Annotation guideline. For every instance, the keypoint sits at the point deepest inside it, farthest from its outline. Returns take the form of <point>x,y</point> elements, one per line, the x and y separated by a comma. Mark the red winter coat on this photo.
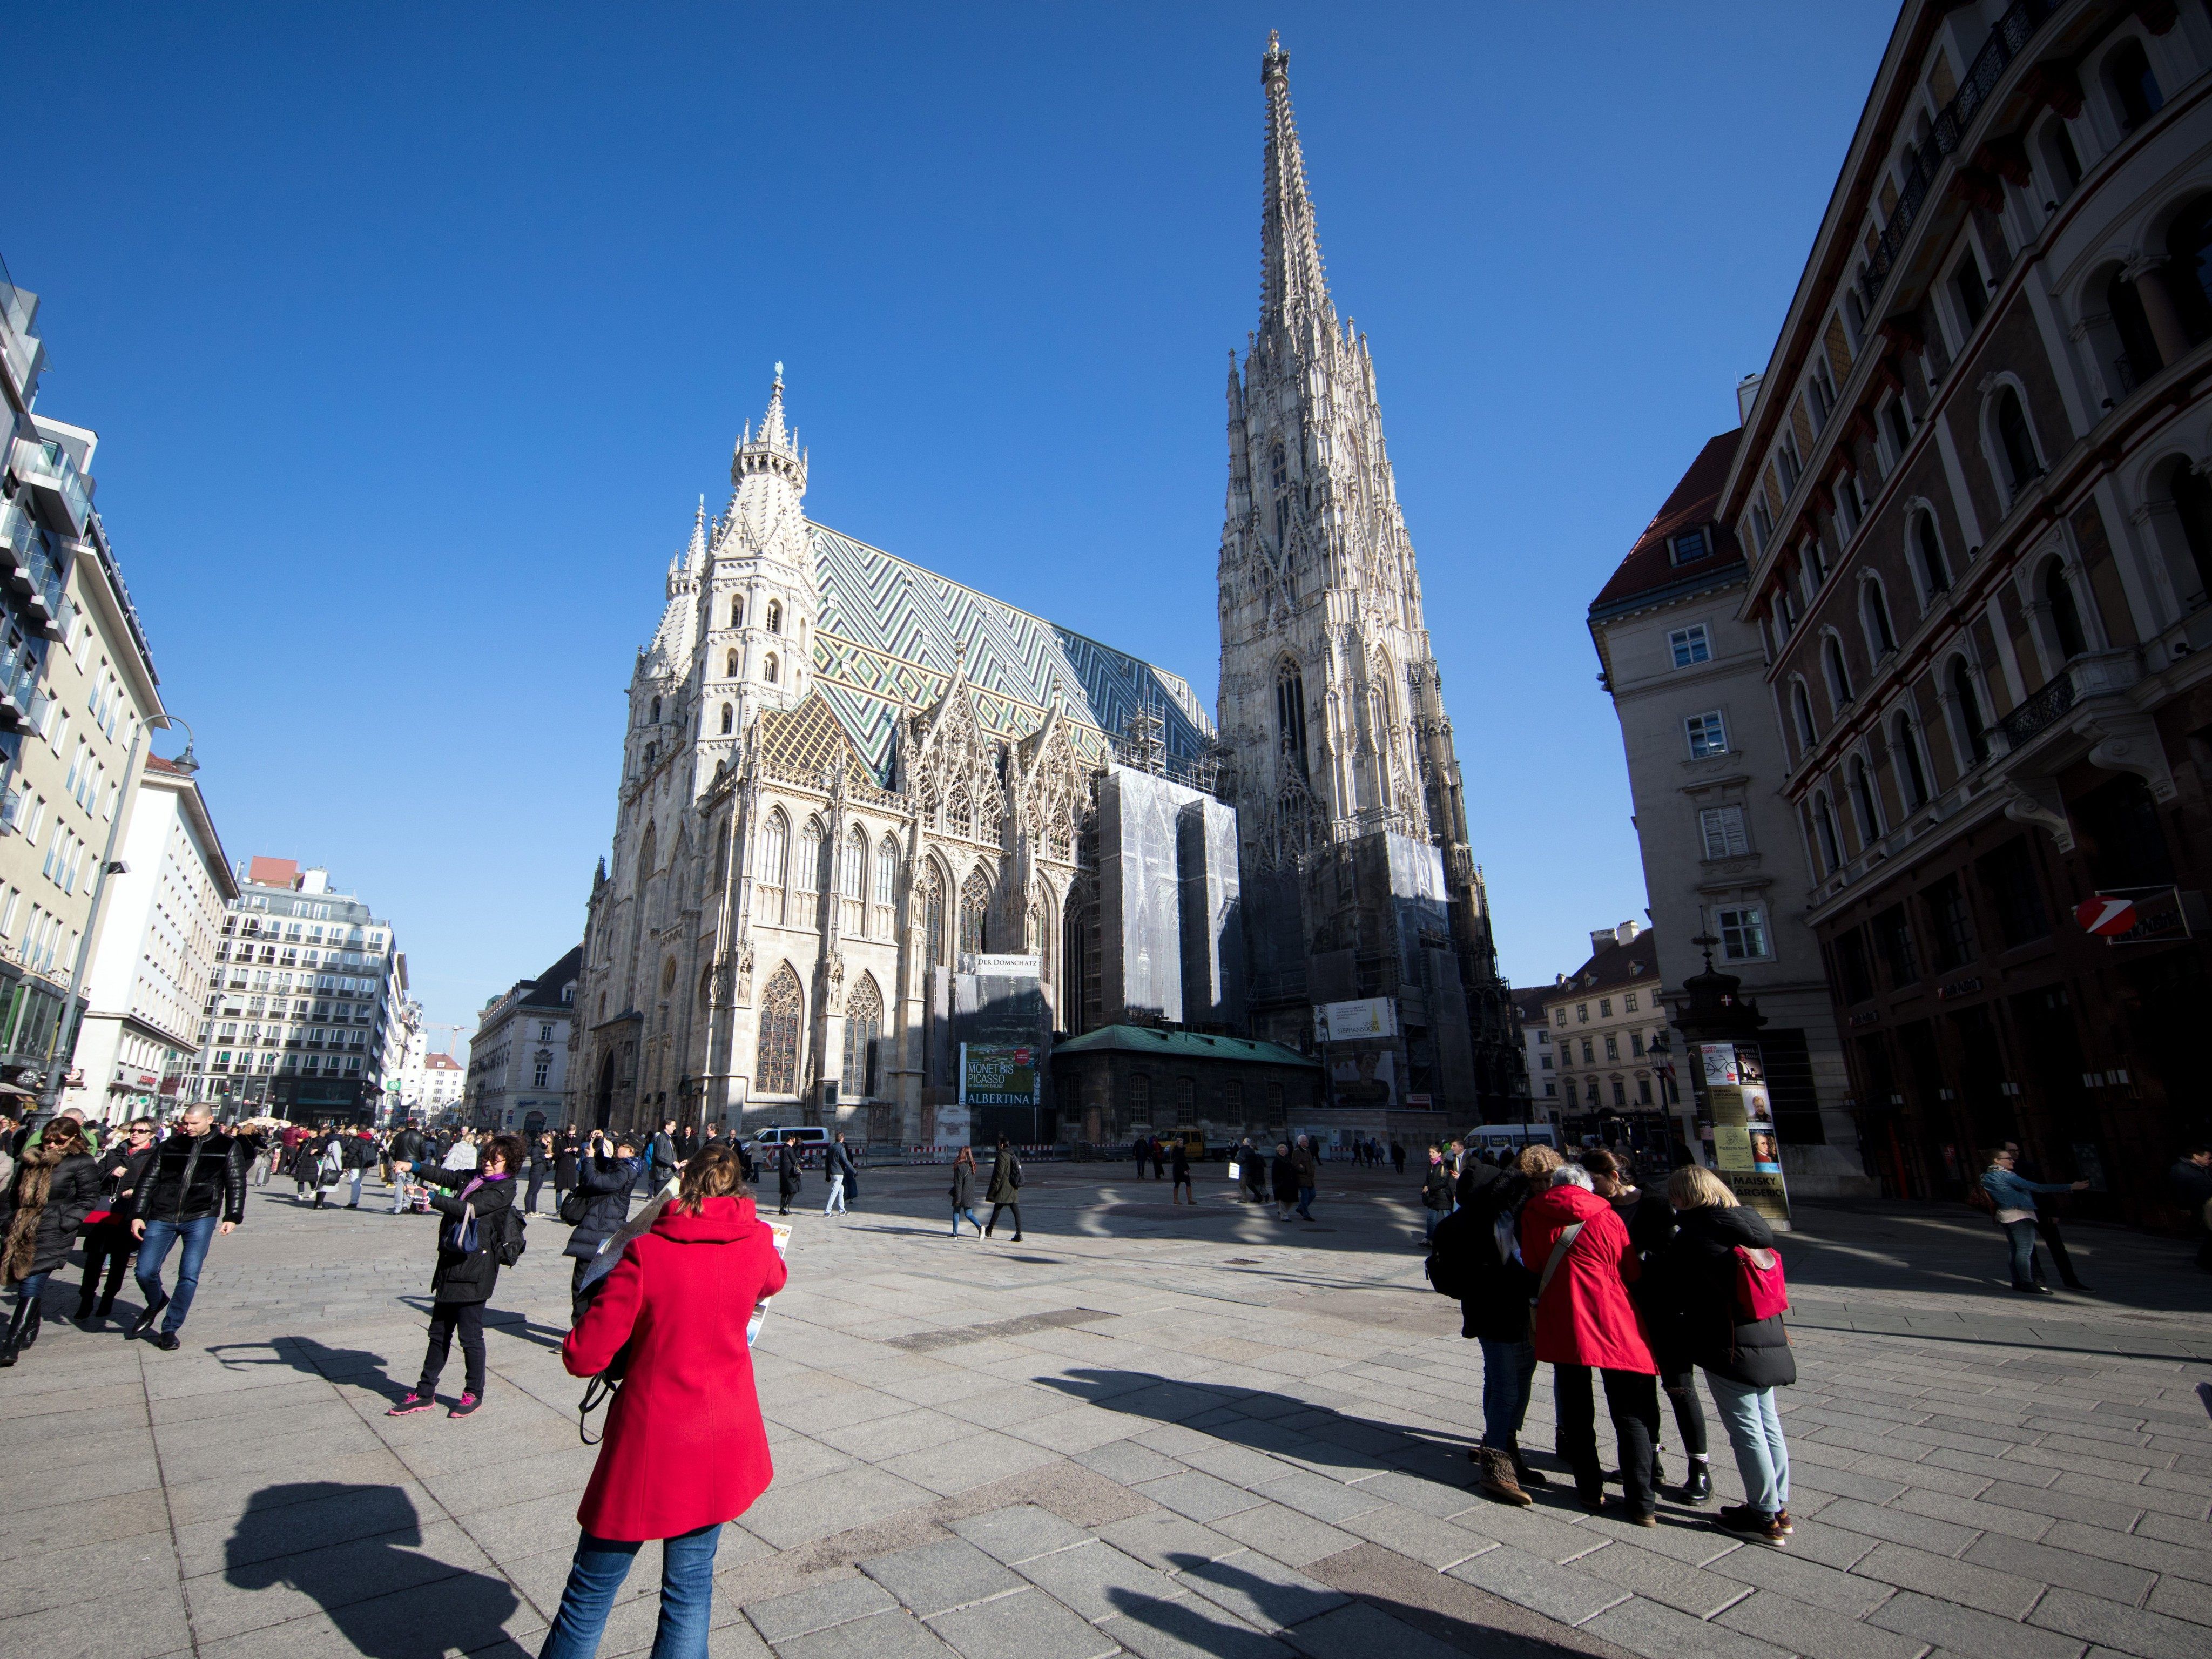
<point>685,1446</point>
<point>1584,1317</point>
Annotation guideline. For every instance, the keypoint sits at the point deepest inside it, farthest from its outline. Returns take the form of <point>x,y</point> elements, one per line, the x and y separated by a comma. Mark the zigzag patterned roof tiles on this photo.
<point>885,642</point>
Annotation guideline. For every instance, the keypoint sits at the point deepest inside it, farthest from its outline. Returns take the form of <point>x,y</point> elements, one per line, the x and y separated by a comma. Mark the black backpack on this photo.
<point>513,1241</point>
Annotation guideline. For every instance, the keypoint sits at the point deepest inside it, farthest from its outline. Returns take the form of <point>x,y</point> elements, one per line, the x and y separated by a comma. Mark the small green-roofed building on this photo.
<point>1119,1079</point>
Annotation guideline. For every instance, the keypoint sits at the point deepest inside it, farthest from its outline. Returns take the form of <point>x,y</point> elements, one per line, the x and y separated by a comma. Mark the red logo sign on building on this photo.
<point>2106,917</point>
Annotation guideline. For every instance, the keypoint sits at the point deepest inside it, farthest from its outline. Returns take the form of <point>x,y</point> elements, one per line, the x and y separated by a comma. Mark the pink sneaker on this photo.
<point>464,1405</point>
<point>411,1403</point>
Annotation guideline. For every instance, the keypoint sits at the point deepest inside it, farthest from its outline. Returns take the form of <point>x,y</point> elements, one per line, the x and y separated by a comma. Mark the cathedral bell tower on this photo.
<point>760,594</point>
<point>1358,879</point>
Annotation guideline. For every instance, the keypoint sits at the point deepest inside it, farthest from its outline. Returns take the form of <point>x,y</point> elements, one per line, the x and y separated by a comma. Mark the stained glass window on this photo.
<point>864,1024</point>
<point>778,1068</point>
<point>974,903</point>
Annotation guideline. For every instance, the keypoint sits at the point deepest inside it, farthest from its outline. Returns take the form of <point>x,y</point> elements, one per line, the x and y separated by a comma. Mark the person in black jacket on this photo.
<point>605,1176</point>
<point>787,1176</point>
<point>1004,1190</point>
<point>1436,1192</point>
<point>1477,1258</point>
<point>1649,1220</point>
<point>1744,1359</point>
<point>841,1172</point>
<point>108,1243</point>
<point>566,1156</point>
<point>192,1189</point>
<point>56,1185</point>
<point>964,1190</point>
<point>541,1171</point>
<point>477,1217</point>
<point>1179,1166</point>
<point>1283,1173</point>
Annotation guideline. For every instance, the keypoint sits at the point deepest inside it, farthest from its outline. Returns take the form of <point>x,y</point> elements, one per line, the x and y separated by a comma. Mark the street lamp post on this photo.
<point>50,1090</point>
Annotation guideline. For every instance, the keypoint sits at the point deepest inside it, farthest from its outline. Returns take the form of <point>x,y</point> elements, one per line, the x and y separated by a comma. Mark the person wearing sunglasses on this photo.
<point>107,1240</point>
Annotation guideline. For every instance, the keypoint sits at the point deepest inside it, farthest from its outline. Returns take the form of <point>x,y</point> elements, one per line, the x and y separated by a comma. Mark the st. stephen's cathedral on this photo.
<point>851,785</point>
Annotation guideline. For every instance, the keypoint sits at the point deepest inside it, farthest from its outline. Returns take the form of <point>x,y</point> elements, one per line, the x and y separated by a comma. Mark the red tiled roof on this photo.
<point>1648,565</point>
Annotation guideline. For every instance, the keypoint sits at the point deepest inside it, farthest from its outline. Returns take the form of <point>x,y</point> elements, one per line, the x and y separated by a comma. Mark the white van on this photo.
<point>805,1136</point>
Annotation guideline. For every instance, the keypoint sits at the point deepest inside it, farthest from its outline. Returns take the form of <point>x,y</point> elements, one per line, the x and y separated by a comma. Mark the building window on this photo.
<point>1934,570</point>
<point>1636,1044</point>
<point>730,665</point>
<point>1839,676</point>
<point>729,719</point>
<point>1708,734</point>
<point>1690,645</point>
<point>2016,442</point>
<point>1970,709</point>
<point>1691,545</point>
<point>736,620</point>
<point>933,912</point>
<point>1973,292</point>
<point>1954,933</point>
<point>1801,709</point>
<point>774,617</point>
<point>1911,775</point>
<point>768,668</point>
<point>778,1067</point>
<point>1743,933</point>
<point>1582,1013</point>
<point>1824,825</point>
<point>1722,829</point>
<point>1186,1101</point>
<point>1900,425</point>
<point>1863,806</point>
<point>2134,88</point>
<point>1140,1099</point>
<point>1562,1015</point>
<point>1612,1046</point>
<point>1290,713</point>
<point>1644,1090</point>
<point>1274,1102</point>
<point>541,1069</point>
<point>1628,1003</point>
<point>1605,1008</point>
<point>864,1024</point>
<point>1881,638</point>
<point>2065,616</point>
<point>975,906</point>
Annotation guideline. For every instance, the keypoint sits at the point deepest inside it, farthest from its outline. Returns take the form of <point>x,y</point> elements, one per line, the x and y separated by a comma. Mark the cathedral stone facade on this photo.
<point>856,795</point>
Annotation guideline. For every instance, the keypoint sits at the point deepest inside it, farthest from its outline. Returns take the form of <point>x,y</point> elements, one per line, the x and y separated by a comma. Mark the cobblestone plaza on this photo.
<point>1165,1430</point>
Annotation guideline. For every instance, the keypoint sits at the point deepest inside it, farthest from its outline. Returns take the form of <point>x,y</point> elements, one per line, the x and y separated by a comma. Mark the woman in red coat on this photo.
<point>1585,1320</point>
<point>685,1449</point>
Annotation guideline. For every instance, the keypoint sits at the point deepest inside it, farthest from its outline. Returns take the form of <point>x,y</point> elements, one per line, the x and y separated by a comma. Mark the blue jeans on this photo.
<point>1755,1432</point>
<point>970,1212</point>
<point>154,1250</point>
<point>1305,1202</point>
<point>2020,1235</point>
<point>29,1291</point>
<point>1508,1372</point>
<point>687,1596</point>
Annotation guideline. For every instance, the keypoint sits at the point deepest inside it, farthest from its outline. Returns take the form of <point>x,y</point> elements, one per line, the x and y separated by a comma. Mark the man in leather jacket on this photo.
<point>192,1187</point>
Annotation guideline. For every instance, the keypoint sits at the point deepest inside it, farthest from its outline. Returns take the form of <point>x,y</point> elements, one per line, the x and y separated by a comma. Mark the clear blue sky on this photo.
<point>413,332</point>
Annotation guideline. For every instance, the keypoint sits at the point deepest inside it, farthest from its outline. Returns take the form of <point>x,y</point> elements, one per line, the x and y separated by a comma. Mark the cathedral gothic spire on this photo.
<point>1332,715</point>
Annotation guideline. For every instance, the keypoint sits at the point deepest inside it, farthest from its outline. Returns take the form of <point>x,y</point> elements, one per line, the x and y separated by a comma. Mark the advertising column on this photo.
<point>1746,1153</point>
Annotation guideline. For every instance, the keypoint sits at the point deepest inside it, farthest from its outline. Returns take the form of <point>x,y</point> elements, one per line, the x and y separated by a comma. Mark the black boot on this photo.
<point>84,1304</point>
<point>1527,1476</point>
<point>31,1327</point>
<point>1698,1488</point>
<point>11,1341</point>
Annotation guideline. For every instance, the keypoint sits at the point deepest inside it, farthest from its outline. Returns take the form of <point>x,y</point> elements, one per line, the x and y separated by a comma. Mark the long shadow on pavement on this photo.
<point>1460,1619</point>
<point>386,1601</point>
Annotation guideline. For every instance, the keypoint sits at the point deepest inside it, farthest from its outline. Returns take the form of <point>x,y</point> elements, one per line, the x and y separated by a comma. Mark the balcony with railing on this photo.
<point>59,493</point>
<point>2008,37</point>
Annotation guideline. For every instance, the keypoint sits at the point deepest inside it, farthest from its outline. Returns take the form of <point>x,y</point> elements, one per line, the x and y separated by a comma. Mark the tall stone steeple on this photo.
<point>762,596</point>
<point>1330,708</point>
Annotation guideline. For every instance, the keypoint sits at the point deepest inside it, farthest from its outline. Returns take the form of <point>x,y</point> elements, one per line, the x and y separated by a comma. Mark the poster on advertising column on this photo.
<point>1746,1150</point>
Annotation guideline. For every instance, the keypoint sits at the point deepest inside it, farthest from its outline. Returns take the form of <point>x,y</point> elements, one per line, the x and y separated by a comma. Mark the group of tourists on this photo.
<point>134,1194</point>
<point>1633,1289</point>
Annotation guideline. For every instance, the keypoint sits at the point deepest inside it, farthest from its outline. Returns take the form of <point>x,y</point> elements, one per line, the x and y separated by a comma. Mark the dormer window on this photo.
<point>1693,544</point>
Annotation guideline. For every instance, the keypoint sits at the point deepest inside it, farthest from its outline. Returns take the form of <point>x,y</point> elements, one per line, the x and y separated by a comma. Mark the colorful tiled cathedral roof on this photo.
<point>887,636</point>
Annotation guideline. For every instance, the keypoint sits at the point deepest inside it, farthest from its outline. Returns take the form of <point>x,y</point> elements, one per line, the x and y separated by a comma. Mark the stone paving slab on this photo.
<point>1162,1432</point>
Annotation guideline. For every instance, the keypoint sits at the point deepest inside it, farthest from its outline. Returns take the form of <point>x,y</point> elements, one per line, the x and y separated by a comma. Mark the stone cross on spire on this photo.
<point>1293,292</point>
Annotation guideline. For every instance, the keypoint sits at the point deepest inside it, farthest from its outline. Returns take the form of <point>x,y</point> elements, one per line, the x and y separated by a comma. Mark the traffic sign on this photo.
<point>2106,917</point>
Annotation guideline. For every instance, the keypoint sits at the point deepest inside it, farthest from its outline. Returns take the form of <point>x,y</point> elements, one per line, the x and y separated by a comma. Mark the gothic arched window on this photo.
<point>774,857</point>
<point>2016,440</point>
<point>1291,713</point>
<point>729,719</point>
<point>777,1070</point>
<point>730,665</point>
<point>975,905</point>
<point>1863,806</point>
<point>737,617</point>
<point>852,876</point>
<point>864,1024</point>
<point>933,918</point>
<point>775,616</point>
<point>653,718</point>
<point>767,671</point>
<point>721,853</point>
<point>959,816</point>
<point>1935,569</point>
<point>1881,638</point>
<point>887,870</point>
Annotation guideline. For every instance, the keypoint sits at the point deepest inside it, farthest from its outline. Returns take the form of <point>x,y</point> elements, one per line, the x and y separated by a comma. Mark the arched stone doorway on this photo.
<point>603,1110</point>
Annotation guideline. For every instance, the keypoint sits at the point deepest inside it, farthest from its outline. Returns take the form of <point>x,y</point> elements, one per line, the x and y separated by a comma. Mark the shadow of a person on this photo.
<point>386,1600</point>
<point>311,1359</point>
